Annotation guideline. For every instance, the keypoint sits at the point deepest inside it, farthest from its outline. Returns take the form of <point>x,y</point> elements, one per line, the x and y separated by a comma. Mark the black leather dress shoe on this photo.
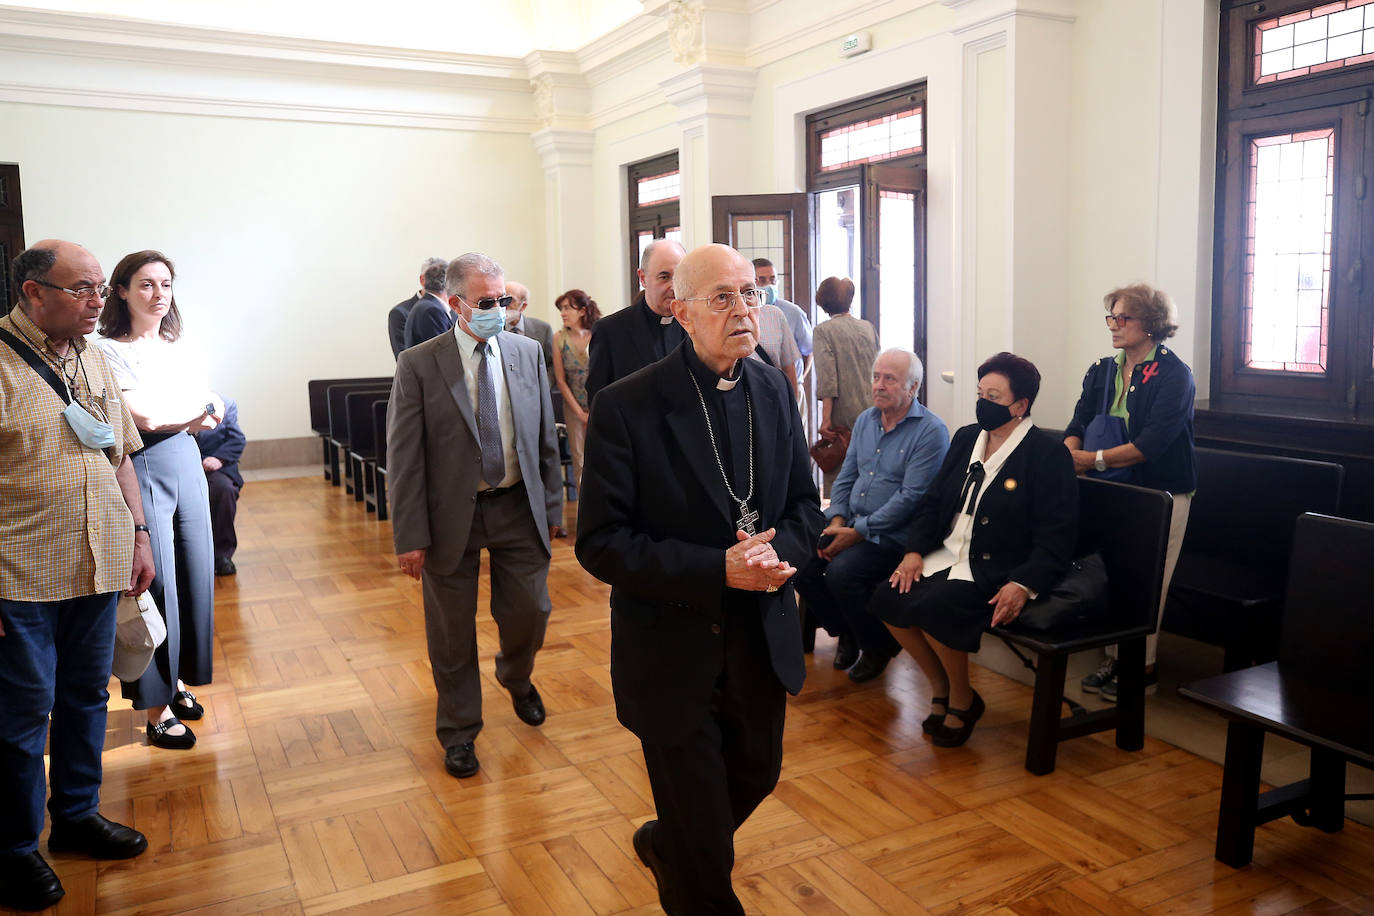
<point>530,708</point>
<point>868,667</point>
<point>225,567</point>
<point>27,883</point>
<point>97,837</point>
<point>846,653</point>
<point>461,761</point>
<point>644,848</point>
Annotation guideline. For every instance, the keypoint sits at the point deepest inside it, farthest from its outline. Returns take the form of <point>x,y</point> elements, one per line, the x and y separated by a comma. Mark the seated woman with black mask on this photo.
<point>997,527</point>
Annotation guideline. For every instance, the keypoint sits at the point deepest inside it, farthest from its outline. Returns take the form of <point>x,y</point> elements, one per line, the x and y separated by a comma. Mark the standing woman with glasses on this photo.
<point>1134,423</point>
<point>163,382</point>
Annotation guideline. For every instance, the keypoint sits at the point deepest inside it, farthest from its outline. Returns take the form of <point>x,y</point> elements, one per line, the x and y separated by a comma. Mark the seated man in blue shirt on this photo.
<point>894,453</point>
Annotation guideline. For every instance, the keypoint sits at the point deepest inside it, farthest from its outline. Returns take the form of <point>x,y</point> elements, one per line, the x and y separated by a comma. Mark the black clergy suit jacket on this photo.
<point>655,524</point>
<point>396,324</point>
<point>428,319</point>
<point>621,343</point>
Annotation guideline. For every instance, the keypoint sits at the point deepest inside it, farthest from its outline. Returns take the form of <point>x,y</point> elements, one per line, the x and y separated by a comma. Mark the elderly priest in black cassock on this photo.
<point>697,508</point>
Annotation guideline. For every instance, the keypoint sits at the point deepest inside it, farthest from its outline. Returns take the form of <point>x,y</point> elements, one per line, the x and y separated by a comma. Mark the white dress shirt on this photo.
<point>467,350</point>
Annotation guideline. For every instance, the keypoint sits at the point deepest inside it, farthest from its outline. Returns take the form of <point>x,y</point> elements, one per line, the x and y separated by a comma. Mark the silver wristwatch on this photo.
<point>1098,463</point>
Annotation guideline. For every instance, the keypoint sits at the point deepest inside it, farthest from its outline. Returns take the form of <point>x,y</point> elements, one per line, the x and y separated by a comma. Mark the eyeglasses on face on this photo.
<point>725,300</point>
<point>82,293</point>
<point>1120,321</point>
<point>484,304</point>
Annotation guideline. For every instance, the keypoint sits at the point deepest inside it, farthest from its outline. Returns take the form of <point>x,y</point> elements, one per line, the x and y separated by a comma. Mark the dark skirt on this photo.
<point>953,612</point>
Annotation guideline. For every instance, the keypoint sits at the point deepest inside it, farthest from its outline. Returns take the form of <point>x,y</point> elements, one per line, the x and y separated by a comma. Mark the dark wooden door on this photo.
<point>772,226</point>
<point>11,231</point>
<point>893,211</point>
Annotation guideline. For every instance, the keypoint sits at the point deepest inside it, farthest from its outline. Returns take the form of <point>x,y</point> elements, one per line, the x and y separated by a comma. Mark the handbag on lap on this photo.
<point>1105,431</point>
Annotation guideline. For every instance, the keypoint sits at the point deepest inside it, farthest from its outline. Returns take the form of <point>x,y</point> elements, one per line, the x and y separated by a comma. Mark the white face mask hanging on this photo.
<point>93,433</point>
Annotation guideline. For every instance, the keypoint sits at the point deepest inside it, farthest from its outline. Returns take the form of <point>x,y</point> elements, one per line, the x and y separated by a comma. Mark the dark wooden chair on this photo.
<point>1130,526</point>
<point>337,397</point>
<point>362,444</point>
<point>1318,692</point>
<point>1228,587</point>
<point>318,390</point>
<point>374,471</point>
<point>564,450</point>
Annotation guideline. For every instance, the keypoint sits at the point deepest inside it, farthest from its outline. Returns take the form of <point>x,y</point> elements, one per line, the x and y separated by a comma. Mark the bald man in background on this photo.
<point>517,322</point>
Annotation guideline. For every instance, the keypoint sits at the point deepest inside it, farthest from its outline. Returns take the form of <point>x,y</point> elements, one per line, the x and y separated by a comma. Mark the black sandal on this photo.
<point>158,737</point>
<point>935,719</point>
<point>944,736</point>
<point>184,705</point>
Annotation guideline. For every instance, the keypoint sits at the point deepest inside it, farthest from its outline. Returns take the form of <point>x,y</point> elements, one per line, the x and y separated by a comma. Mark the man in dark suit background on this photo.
<point>396,318</point>
<point>472,463</point>
<point>430,316</point>
<point>634,337</point>
<point>698,524</point>
<point>517,322</point>
<point>220,451</point>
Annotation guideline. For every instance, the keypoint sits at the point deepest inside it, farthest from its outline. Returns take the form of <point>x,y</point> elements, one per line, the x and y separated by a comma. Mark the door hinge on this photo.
<point>1360,183</point>
<point>1362,109</point>
<point>1225,157</point>
<point>1351,396</point>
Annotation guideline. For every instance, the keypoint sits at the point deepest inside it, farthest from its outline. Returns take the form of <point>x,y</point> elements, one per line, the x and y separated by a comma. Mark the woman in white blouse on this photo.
<point>163,382</point>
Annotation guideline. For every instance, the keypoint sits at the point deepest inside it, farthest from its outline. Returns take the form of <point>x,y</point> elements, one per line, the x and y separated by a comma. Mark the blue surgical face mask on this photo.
<point>770,293</point>
<point>487,323</point>
<point>92,433</point>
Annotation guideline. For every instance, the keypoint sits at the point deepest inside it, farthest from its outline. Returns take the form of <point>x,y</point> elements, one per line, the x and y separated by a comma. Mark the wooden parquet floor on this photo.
<point>317,785</point>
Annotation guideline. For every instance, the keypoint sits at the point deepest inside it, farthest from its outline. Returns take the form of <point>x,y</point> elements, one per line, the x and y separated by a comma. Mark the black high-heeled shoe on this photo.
<point>945,736</point>
<point>935,719</point>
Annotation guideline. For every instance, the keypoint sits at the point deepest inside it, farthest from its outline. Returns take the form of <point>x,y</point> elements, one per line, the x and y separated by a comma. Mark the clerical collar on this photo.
<point>664,320</point>
<point>706,375</point>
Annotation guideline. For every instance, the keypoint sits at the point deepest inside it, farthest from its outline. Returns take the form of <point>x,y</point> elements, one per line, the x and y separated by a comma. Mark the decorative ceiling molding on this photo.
<point>235,108</point>
<point>150,41</point>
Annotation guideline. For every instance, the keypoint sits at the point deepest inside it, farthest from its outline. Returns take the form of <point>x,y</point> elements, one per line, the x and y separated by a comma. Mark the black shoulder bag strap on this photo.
<point>36,362</point>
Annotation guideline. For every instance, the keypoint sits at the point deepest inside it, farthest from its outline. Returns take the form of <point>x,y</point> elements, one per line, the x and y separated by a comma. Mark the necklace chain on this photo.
<point>715,450</point>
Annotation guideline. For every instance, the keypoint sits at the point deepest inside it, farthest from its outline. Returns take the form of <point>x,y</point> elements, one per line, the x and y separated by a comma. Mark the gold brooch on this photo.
<point>1009,483</point>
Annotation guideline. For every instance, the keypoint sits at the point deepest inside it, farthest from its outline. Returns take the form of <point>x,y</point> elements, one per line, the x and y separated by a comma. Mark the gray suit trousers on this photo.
<point>519,604</point>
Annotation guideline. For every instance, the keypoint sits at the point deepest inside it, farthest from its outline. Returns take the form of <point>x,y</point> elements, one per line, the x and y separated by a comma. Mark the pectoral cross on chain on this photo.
<point>747,518</point>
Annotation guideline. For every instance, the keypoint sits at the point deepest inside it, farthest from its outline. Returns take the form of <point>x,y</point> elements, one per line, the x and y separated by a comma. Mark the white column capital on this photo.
<point>563,148</point>
<point>711,91</point>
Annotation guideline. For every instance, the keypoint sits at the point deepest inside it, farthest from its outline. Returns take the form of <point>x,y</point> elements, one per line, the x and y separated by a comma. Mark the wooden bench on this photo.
<point>374,472</point>
<point>339,437</point>
<point>362,441</point>
<point>1316,694</point>
<point>1130,527</point>
<point>318,390</point>
<point>1228,587</point>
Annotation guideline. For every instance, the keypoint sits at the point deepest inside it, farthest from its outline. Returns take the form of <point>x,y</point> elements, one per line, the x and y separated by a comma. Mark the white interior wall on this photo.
<point>291,239</point>
<point>1130,109</point>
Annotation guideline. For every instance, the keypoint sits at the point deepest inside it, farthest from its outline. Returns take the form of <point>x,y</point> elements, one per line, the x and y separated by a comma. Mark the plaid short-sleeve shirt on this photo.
<point>65,530</point>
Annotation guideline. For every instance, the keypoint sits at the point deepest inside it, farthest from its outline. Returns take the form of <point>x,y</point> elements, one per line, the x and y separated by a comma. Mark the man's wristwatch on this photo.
<point>1098,463</point>
<point>143,528</point>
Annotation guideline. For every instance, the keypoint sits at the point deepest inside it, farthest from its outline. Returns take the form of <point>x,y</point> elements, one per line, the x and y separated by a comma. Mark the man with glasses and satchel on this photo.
<point>72,538</point>
<point>697,508</point>
<point>472,463</point>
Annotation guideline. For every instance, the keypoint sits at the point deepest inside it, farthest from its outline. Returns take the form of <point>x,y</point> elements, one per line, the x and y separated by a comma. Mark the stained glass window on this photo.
<point>1291,184</point>
<point>1325,37</point>
<point>896,134</point>
<point>658,189</point>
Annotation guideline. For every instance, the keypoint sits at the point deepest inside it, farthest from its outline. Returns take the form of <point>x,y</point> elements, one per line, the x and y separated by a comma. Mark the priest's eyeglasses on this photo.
<point>725,300</point>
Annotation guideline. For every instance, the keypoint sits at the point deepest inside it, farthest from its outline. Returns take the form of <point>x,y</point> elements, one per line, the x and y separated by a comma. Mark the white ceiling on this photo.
<point>495,27</point>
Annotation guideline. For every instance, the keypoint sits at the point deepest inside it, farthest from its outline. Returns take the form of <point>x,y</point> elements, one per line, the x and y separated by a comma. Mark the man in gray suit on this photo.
<point>472,463</point>
<point>517,322</point>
